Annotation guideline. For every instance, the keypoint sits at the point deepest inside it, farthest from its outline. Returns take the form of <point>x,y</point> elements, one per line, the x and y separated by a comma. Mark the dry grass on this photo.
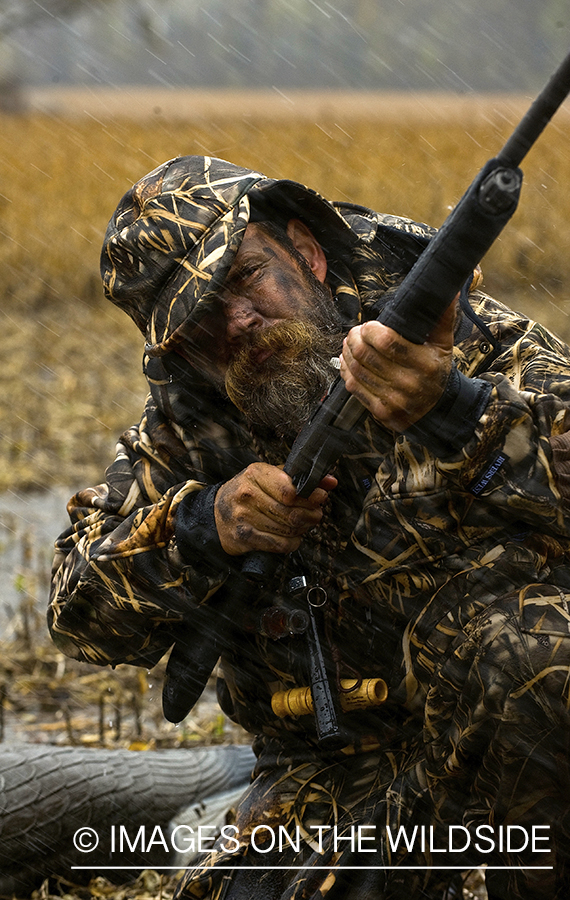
<point>148,886</point>
<point>71,364</point>
<point>47,698</point>
<point>70,383</point>
<point>153,886</point>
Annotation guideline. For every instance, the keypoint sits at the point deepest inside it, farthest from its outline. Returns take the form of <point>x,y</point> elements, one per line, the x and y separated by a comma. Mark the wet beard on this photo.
<point>281,392</point>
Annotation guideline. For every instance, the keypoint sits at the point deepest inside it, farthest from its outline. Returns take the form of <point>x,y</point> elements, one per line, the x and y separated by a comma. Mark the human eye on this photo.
<point>248,273</point>
<point>248,270</point>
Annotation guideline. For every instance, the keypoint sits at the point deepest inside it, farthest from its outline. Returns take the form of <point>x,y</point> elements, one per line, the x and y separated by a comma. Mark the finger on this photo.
<point>365,371</point>
<point>370,366</point>
<point>249,513</point>
<point>382,360</point>
<point>373,343</point>
<point>372,399</point>
<point>285,494</point>
<point>242,529</point>
<point>247,539</point>
<point>443,333</point>
<point>398,395</point>
<point>279,502</point>
<point>328,483</point>
<point>263,530</point>
<point>287,520</point>
<point>319,495</point>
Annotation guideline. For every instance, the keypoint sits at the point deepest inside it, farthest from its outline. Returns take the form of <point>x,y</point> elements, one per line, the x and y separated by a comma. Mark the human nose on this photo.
<point>241,317</point>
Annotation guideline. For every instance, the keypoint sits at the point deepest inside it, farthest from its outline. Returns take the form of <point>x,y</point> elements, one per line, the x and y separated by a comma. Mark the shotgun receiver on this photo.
<point>414,310</point>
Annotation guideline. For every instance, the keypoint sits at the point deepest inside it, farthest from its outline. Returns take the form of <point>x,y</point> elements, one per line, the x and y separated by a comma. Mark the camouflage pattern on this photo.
<point>174,235</point>
<point>447,577</point>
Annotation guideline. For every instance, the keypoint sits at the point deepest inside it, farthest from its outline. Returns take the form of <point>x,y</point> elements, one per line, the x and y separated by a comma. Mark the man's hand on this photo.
<point>259,510</point>
<point>397,381</point>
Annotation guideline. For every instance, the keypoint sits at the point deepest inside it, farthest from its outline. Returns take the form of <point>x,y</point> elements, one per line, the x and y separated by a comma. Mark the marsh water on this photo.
<point>29,524</point>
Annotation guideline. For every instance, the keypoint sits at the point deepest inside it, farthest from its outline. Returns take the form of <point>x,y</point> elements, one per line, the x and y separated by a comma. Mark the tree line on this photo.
<point>461,45</point>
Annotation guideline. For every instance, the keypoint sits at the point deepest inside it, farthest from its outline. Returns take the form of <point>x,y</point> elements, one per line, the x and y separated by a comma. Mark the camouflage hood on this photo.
<point>174,235</point>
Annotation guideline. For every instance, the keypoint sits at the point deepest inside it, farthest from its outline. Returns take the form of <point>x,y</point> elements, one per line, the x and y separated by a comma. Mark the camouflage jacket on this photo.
<point>413,545</point>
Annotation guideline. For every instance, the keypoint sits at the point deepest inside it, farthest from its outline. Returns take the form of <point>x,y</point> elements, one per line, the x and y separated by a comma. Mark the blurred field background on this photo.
<point>70,370</point>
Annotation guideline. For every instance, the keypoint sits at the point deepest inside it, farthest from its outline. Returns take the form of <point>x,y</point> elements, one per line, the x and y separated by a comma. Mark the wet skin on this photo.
<point>396,381</point>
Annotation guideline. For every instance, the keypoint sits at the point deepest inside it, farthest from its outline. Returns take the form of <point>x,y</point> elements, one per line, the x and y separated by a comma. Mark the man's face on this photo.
<point>279,328</point>
<point>270,283</point>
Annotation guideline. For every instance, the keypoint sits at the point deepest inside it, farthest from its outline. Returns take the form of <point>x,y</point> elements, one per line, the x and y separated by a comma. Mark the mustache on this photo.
<point>290,339</point>
<point>285,343</point>
<point>280,389</point>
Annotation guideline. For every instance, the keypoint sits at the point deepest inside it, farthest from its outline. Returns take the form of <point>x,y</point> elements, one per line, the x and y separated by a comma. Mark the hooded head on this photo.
<point>173,237</point>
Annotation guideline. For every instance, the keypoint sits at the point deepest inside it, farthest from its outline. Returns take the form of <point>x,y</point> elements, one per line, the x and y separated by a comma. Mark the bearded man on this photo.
<point>438,547</point>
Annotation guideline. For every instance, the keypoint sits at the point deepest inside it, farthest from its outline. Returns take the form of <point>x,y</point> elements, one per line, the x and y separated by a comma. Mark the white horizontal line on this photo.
<point>312,868</point>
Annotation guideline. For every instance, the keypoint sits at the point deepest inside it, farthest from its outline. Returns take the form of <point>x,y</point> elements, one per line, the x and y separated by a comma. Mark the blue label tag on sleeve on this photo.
<point>481,482</point>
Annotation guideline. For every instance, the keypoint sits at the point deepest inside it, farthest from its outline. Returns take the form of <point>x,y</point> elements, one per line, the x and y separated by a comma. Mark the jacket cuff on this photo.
<point>196,533</point>
<point>447,427</point>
